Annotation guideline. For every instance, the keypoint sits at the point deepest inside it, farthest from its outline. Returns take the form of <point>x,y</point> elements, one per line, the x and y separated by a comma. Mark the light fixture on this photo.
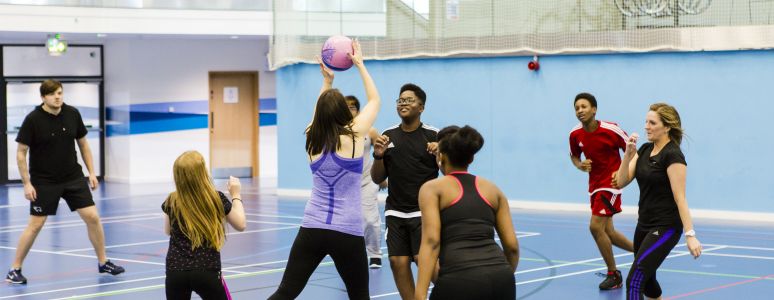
<point>56,46</point>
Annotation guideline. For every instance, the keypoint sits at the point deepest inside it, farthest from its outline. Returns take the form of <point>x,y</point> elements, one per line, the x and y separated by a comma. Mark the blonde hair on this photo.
<point>196,206</point>
<point>669,116</point>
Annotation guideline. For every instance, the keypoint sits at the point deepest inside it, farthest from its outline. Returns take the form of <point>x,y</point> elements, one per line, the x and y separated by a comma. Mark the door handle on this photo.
<point>212,120</point>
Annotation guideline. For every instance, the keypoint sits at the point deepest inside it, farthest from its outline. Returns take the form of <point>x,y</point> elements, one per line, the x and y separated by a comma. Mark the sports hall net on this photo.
<point>391,29</point>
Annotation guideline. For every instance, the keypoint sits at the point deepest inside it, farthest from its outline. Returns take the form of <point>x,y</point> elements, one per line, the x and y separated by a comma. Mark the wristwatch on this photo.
<point>690,233</point>
<point>377,157</point>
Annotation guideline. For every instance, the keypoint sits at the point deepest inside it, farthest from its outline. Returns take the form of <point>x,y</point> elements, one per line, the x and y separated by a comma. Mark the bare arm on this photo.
<point>327,84</point>
<point>373,134</point>
<point>236,217</point>
<point>677,173</point>
<point>378,172</point>
<point>584,166</point>
<point>505,230</point>
<point>625,173</point>
<point>166,224</point>
<point>21,161</point>
<point>429,204</point>
<point>367,116</point>
<point>83,144</point>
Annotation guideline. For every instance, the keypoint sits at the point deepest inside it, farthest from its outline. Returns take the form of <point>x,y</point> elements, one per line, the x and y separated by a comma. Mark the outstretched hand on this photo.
<point>631,146</point>
<point>380,145</point>
<point>357,56</point>
<point>326,72</point>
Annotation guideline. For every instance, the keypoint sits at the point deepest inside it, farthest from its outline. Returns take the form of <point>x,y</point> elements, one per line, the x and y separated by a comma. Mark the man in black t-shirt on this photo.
<point>49,134</point>
<point>405,154</point>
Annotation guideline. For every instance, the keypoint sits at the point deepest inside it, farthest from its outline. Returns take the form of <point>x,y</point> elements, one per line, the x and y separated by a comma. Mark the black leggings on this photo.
<point>207,284</point>
<point>651,247</point>
<point>491,283</point>
<point>309,249</point>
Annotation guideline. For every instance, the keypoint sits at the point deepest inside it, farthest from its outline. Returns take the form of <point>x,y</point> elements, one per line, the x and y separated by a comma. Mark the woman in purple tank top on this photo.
<point>332,222</point>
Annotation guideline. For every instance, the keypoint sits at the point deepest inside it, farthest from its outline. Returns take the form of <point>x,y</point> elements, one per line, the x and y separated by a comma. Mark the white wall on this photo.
<point>139,71</point>
<point>35,18</point>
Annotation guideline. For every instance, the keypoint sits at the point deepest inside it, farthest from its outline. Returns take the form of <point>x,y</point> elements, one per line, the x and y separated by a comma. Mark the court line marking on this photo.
<point>167,240</point>
<point>68,252</point>
<point>26,204</point>
<point>567,274</point>
<point>152,287</point>
<point>743,247</point>
<point>605,268</point>
<point>87,256</point>
<point>251,274</point>
<point>80,221</point>
<point>273,216</point>
<point>143,288</point>
<point>736,255</point>
<point>702,291</point>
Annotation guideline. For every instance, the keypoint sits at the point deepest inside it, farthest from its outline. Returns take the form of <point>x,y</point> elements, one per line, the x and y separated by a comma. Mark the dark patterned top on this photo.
<point>180,257</point>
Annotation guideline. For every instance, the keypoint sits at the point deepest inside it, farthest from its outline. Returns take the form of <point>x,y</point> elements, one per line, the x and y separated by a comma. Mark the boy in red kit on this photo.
<point>599,141</point>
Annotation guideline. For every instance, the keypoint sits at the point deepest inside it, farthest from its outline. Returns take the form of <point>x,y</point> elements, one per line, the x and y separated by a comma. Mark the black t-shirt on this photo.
<point>657,203</point>
<point>180,257</point>
<point>408,166</point>
<point>51,139</point>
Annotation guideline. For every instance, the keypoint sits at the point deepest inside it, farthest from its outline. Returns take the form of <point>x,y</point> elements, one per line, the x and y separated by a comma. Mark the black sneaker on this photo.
<point>612,281</point>
<point>15,276</point>
<point>375,263</point>
<point>111,268</point>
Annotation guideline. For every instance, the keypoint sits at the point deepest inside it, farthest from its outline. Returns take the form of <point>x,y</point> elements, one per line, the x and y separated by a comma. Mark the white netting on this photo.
<point>391,29</point>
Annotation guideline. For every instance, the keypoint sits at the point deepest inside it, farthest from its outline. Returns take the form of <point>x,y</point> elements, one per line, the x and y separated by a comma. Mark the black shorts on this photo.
<point>403,236</point>
<point>490,282</point>
<point>76,193</point>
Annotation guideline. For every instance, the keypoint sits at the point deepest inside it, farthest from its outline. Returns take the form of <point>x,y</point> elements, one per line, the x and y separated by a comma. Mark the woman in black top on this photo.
<point>195,217</point>
<point>659,167</point>
<point>460,213</point>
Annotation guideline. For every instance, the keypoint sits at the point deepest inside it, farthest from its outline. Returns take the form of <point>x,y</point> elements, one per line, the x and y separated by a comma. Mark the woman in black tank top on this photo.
<point>460,213</point>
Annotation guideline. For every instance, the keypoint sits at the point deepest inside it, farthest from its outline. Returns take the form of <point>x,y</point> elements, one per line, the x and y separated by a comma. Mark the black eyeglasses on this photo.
<point>401,101</point>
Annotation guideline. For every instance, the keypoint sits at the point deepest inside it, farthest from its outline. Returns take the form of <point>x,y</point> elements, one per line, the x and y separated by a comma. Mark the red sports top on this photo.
<point>601,146</point>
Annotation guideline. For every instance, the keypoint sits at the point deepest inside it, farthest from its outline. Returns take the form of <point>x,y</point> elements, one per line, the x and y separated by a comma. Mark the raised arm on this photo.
<point>327,84</point>
<point>625,172</point>
<point>504,227</point>
<point>676,173</point>
<point>430,247</point>
<point>367,116</point>
<point>236,217</point>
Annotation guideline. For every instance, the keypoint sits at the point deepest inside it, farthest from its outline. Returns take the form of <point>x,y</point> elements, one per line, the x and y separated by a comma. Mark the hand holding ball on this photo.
<point>336,53</point>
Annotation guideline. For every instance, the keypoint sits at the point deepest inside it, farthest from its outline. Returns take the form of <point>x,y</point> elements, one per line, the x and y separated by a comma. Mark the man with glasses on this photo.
<point>406,154</point>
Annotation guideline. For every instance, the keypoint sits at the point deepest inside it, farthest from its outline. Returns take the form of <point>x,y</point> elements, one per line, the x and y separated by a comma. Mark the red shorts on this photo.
<point>605,203</point>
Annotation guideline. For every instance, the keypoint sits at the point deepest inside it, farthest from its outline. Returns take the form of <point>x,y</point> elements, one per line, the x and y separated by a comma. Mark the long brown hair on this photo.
<point>671,119</point>
<point>196,206</point>
<point>331,120</point>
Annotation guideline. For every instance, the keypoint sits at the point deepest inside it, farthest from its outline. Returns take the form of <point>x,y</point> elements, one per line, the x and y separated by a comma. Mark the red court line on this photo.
<point>720,287</point>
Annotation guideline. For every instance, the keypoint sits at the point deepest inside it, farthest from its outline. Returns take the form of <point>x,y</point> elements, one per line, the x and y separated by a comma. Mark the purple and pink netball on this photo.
<point>334,53</point>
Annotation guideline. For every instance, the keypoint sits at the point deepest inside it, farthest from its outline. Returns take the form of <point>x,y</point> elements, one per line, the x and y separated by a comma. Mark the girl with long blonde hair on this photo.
<point>195,217</point>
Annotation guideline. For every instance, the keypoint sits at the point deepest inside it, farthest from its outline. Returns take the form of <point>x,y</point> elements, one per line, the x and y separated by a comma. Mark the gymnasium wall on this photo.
<point>724,98</point>
<point>156,94</point>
